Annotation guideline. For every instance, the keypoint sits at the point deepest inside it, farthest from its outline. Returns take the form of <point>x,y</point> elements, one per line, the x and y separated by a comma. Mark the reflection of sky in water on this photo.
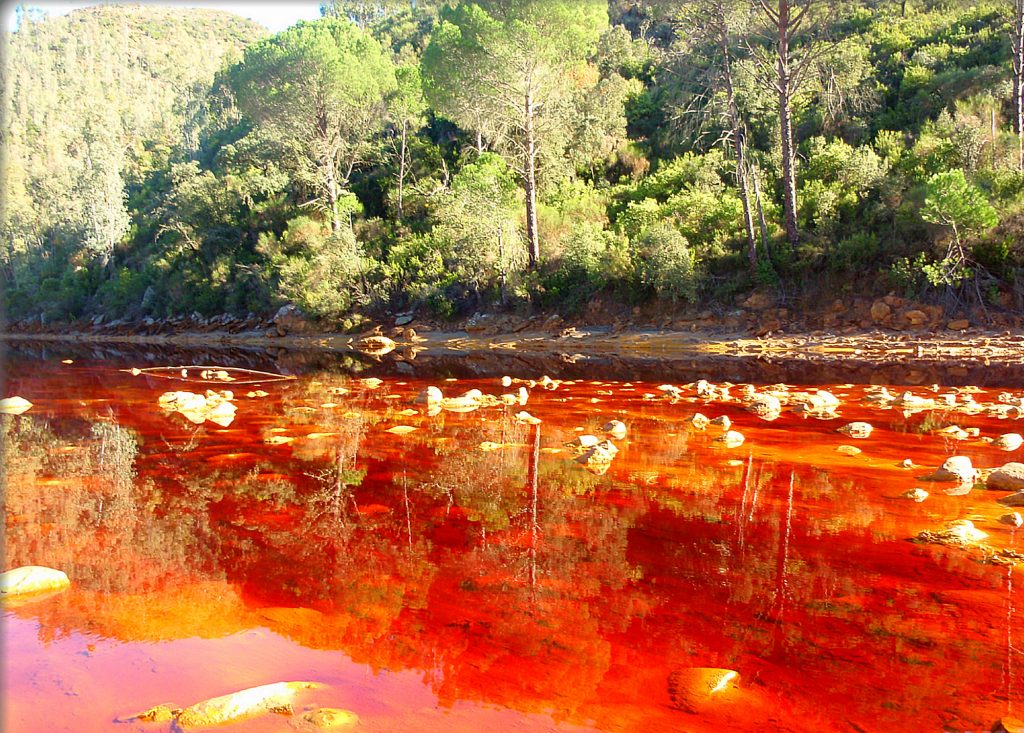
<point>434,585</point>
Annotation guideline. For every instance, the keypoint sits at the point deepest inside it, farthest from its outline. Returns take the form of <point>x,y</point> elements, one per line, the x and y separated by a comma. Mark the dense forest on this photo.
<point>531,155</point>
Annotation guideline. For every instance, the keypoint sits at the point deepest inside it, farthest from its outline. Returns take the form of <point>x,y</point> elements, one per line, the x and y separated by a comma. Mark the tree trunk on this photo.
<point>401,168</point>
<point>739,142</point>
<point>502,277</point>
<point>786,128</point>
<point>760,211</point>
<point>530,181</point>
<point>332,199</point>
<point>1017,44</point>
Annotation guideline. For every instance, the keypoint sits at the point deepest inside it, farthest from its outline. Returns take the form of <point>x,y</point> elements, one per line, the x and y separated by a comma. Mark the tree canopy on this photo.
<point>538,154</point>
<point>316,93</point>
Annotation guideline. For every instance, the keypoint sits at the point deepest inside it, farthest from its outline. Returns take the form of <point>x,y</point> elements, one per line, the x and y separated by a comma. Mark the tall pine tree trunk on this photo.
<point>786,128</point>
<point>530,180</point>
<point>1017,43</point>
<point>739,143</point>
<point>755,176</point>
<point>401,168</point>
<point>332,198</point>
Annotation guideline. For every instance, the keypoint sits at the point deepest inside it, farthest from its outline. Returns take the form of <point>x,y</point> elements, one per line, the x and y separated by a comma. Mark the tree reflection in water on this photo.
<point>510,577</point>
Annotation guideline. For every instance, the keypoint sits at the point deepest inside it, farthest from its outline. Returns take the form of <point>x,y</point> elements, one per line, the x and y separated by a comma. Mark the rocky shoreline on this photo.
<point>487,344</point>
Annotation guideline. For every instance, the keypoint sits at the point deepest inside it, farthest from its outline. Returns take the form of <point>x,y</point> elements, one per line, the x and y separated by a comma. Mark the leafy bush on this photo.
<point>325,282</point>
<point>593,258</point>
<point>666,264</point>
<point>854,252</point>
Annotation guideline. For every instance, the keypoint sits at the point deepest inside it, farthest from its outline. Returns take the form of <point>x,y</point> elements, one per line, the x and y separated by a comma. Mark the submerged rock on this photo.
<point>917,495</point>
<point>960,532</point>
<point>331,718</point>
<point>401,429</point>
<point>32,579</point>
<point>276,697</point>
<point>849,450</point>
<point>695,688</point>
<point>1012,499</point>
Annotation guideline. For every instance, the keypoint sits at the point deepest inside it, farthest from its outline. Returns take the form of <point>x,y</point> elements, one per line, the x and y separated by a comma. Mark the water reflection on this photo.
<point>510,577</point>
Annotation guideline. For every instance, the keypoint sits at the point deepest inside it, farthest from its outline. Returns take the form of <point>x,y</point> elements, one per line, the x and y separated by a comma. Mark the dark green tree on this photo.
<point>317,93</point>
<point>501,69</point>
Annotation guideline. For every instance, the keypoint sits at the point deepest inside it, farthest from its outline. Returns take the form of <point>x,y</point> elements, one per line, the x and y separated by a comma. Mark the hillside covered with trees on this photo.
<point>529,155</point>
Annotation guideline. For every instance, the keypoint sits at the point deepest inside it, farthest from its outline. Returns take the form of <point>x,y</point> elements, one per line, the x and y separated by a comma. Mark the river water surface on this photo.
<point>469,575</point>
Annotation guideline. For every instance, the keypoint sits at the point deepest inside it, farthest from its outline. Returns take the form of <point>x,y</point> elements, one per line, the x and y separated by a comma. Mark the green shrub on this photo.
<point>326,282</point>
<point>666,264</point>
<point>854,252</point>
<point>592,258</point>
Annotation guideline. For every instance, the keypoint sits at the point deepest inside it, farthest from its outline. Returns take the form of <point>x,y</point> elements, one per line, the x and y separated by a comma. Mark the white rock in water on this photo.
<point>1008,477</point>
<point>582,443</point>
<point>731,439</point>
<point>956,468</point>
<point>14,405</point>
<point>1014,519</point>
<point>699,421</point>
<point>765,406</point>
<point>830,401</point>
<point>856,429</point>
<point>376,345</point>
<point>1010,441</point>
<point>32,579</point>
<point>598,458</point>
<point>965,531</point>
<point>430,396</point>
<point>241,704</point>
<point>917,495</point>
<point>615,429</point>
<point>722,421</point>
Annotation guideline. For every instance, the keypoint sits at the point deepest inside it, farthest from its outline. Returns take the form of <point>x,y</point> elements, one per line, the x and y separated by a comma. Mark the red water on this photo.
<point>431,585</point>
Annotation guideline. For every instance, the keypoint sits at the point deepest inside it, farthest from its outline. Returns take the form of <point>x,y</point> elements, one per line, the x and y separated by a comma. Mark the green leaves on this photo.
<point>950,200</point>
<point>318,91</point>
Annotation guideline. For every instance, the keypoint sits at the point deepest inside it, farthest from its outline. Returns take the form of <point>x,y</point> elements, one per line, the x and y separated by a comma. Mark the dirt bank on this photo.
<point>972,356</point>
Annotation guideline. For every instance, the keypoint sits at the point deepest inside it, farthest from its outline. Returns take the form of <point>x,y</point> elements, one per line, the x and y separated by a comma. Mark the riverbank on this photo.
<point>970,356</point>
